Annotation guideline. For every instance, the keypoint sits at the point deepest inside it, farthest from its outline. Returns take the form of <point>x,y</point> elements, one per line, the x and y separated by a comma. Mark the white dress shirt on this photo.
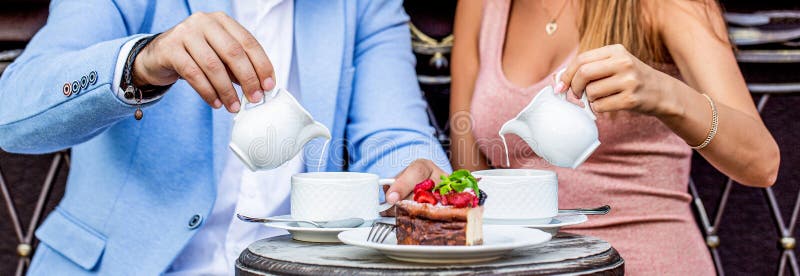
<point>217,244</point>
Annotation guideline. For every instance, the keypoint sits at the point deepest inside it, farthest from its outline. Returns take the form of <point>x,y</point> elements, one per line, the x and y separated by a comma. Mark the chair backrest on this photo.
<point>30,185</point>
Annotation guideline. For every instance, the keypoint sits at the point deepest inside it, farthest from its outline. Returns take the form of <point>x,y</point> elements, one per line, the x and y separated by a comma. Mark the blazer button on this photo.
<point>67,89</point>
<point>76,87</point>
<point>93,77</point>
<point>84,82</point>
<point>195,221</point>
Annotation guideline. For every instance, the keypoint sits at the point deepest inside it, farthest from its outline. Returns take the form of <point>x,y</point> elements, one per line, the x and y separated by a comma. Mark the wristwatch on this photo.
<point>132,91</point>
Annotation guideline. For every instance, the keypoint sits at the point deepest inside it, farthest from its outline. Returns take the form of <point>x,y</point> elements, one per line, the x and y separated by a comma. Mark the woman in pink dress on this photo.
<point>652,70</point>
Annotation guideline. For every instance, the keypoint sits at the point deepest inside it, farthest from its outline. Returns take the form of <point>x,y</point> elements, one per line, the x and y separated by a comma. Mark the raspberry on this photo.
<point>426,185</point>
<point>438,197</point>
<point>424,197</point>
<point>460,200</point>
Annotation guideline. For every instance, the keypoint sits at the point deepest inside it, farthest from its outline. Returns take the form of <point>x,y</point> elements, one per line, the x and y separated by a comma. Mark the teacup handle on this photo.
<point>584,99</point>
<point>243,101</point>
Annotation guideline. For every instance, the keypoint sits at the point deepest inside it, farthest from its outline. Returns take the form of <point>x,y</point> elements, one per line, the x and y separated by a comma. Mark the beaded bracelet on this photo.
<point>714,124</point>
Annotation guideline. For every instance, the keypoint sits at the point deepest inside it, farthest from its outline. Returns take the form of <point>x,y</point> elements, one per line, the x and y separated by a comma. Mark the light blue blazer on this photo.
<point>139,190</point>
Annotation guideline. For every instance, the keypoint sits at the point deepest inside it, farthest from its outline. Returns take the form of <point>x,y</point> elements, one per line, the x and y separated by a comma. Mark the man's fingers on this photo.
<point>235,58</point>
<point>191,72</point>
<point>215,71</point>
<point>405,181</point>
<point>258,58</point>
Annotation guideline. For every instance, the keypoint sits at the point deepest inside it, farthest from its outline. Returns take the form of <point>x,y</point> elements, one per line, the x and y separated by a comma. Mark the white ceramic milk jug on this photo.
<point>558,131</point>
<point>267,135</point>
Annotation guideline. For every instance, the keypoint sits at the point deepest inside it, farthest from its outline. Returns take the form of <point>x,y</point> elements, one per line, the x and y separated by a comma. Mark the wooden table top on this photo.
<point>565,253</point>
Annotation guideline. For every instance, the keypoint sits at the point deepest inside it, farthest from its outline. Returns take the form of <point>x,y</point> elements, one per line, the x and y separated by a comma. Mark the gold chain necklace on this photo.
<point>551,27</point>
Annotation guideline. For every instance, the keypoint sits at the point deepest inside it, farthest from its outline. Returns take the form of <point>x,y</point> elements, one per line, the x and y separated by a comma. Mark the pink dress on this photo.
<point>641,168</point>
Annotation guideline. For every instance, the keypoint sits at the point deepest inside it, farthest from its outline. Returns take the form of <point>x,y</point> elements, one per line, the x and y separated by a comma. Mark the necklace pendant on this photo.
<point>551,27</point>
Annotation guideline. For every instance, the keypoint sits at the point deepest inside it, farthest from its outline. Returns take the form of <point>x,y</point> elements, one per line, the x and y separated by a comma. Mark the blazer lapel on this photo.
<point>318,47</point>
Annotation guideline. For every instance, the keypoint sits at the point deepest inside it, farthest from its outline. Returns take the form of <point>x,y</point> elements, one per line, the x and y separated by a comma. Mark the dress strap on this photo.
<point>493,30</point>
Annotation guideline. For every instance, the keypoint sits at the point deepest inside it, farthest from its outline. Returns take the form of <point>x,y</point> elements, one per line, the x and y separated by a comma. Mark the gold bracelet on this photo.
<point>714,124</point>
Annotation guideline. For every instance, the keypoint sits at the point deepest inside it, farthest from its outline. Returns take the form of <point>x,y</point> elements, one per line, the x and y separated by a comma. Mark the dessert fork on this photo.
<point>380,231</point>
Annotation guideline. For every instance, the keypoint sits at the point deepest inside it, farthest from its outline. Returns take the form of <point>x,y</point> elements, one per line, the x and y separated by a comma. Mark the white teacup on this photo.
<point>519,195</point>
<point>560,132</point>
<point>324,196</point>
<point>267,135</point>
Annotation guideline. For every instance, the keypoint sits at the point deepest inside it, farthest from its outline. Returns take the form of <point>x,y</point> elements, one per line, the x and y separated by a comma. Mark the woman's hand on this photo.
<point>613,79</point>
<point>211,51</point>
<point>405,181</point>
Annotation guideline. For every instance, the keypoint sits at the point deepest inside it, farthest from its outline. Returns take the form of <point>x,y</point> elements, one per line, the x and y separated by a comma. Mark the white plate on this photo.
<point>551,227</point>
<point>497,241</point>
<point>311,234</point>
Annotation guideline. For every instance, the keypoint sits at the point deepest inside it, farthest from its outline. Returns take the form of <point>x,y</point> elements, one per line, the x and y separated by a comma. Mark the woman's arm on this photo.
<point>464,69</point>
<point>614,80</point>
<point>743,147</point>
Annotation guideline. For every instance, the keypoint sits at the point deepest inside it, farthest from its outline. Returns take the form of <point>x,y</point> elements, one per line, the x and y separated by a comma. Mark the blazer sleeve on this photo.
<point>58,92</point>
<point>387,126</point>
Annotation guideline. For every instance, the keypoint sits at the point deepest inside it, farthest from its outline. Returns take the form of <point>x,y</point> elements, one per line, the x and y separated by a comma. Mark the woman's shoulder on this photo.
<point>469,15</point>
<point>671,16</point>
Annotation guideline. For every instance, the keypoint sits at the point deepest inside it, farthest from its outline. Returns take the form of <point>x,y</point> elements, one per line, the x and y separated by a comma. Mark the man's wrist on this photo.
<point>135,87</point>
<point>140,70</point>
<point>117,84</point>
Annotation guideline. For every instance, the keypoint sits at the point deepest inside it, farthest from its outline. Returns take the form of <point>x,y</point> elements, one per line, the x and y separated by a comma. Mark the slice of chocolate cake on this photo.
<point>428,224</point>
<point>448,213</point>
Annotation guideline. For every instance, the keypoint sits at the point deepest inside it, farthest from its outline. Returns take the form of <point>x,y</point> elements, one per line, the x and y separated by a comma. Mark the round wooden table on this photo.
<point>564,254</point>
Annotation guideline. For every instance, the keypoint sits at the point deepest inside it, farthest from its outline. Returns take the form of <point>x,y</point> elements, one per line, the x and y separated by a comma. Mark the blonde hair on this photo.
<point>626,22</point>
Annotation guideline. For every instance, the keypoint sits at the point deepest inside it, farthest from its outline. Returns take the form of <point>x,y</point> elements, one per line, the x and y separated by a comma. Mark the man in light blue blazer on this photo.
<point>139,190</point>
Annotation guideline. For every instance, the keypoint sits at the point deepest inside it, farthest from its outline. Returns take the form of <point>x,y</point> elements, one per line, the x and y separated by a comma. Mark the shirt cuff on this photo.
<point>121,58</point>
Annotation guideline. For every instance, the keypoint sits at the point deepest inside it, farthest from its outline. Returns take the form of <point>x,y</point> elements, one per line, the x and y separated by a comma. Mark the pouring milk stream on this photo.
<point>273,131</point>
<point>560,132</point>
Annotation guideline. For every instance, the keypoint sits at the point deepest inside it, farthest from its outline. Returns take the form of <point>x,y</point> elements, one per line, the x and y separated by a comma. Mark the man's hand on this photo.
<point>416,172</point>
<point>211,51</point>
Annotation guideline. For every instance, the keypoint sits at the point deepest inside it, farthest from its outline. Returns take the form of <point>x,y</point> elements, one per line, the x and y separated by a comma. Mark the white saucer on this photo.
<point>498,240</point>
<point>311,234</point>
<point>551,227</point>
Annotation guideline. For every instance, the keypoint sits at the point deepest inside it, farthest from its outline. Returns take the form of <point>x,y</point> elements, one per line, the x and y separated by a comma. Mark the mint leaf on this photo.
<point>457,181</point>
<point>445,189</point>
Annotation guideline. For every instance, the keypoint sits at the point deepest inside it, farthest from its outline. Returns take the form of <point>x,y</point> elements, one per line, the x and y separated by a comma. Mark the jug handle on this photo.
<point>243,101</point>
<point>584,99</point>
